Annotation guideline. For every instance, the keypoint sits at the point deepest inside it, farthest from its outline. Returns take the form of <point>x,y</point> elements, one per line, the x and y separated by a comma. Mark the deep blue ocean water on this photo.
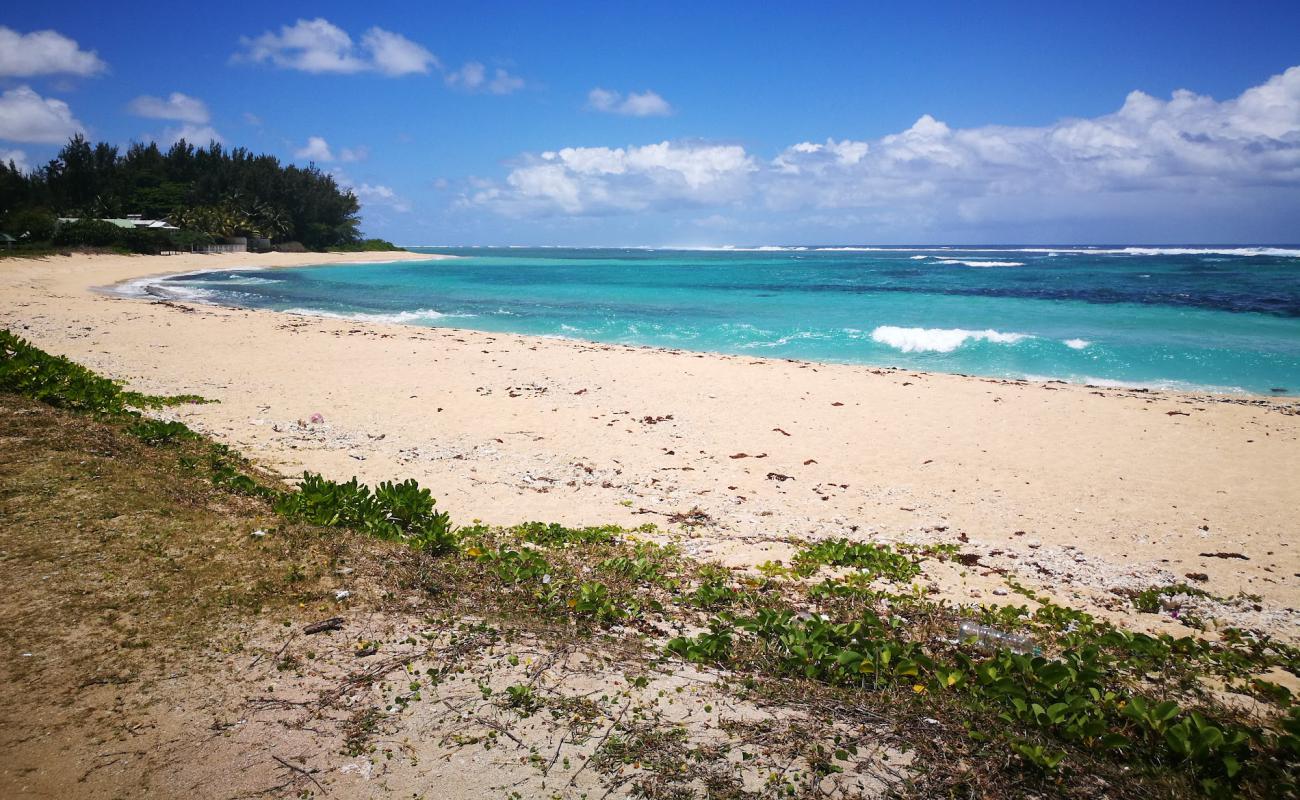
<point>1225,319</point>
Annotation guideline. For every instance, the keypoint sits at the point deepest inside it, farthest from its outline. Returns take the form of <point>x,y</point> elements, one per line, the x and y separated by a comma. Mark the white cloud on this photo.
<point>811,156</point>
<point>358,153</point>
<point>469,77</point>
<point>198,135</point>
<point>25,116</point>
<point>16,157</point>
<point>44,53</point>
<point>635,104</point>
<point>177,106</point>
<point>316,149</point>
<point>597,180</point>
<point>373,195</point>
<point>473,77</point>
<point>252,119</point>
<point>319,46</point>
<point>394,54</point>
<point>377,195</point>
<point>1150,157</point>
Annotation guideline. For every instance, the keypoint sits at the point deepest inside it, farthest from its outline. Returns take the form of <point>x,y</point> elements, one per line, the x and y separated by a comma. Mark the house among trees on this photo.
<point>182,198</point>
<point>131,222</point>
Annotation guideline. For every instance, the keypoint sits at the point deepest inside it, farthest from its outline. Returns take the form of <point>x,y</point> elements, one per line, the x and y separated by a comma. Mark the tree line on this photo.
<point>210,192</point>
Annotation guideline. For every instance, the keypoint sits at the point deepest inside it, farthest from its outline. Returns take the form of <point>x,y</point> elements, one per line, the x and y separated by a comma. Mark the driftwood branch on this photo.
<point>301,771</point>
<point>331,624</point>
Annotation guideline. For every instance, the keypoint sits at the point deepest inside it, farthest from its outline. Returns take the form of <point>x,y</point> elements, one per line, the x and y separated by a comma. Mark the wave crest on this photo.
<point>938,340</point>
<point>399,317</point>
<point>980,263</point>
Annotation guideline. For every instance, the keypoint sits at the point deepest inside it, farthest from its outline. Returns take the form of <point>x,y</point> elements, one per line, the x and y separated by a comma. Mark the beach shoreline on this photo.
<point>1085,492</point>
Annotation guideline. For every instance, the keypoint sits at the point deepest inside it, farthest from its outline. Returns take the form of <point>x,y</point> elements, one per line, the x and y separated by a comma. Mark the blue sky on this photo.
<point>708,124</point>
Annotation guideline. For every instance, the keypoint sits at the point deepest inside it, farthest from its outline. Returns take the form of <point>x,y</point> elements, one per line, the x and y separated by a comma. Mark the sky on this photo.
<point>692,124</point>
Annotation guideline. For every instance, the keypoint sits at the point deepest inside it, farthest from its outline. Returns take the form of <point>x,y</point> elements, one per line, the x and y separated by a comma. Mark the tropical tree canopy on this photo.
<point>210,190</point>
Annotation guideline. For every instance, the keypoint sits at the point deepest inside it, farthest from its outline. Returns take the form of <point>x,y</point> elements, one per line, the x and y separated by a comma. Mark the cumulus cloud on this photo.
<point>473,77</point>
<point>317,149</point>
<point>44,53</point>
<point>176,106</point>
<point>372,195</point>
<point>200,135</point>
<point>319,46</point>
<point>16,157</point>
<point>394,54</point>
<point>358,153</point>
<point>584,180</point>
<point>635,104</point>
<point>932,176</point>
<point>25,116</point>
<point>379,195</point>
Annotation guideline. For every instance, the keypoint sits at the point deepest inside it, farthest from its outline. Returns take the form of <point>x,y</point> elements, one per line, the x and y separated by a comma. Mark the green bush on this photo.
<point>878,560</point>
<point>367,246</point>
<point>157,431</point>
<point>89,233</point>
<point>147,241</point>
<point>30,225</point>
<point>56,381</point>
<point>401,511</point>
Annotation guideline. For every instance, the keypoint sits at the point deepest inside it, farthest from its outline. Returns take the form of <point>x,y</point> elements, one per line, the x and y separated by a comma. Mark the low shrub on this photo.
<point>366,246</point>
<point>401,511</point>
<point>879,560</point>
<point>157,432</point>
<point>57,381</point>
<point>89,233</point>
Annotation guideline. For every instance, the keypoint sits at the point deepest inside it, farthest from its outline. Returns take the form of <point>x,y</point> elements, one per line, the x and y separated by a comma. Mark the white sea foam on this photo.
<point>421,315</point>
<point>249,280</point>
<point>172,291</point>
<point>784,340</point>
<point>980,263</point>
<point>1076,344</point>
<point>919,258</point>
<point>939,340</point>
<point>1278,252</point>
<point>1157,385</point>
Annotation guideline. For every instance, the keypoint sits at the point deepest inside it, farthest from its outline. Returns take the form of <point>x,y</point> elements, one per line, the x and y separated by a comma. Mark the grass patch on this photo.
<point>1098,704</point>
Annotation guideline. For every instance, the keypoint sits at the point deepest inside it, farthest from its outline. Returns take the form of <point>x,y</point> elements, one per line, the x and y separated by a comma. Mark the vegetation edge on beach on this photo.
<point>1086,708</point>
<point>206,193</point>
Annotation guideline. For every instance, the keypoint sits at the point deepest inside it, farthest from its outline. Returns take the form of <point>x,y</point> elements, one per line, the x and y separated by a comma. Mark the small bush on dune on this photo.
<point>57,381</point>
<point>89,233</point>
<point>30,224</point>
<point>400,511</point>
<point>157,431</point>
<point>367,246</point>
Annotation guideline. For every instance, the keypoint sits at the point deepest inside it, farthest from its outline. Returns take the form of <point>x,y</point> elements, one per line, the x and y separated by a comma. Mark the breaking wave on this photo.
<point>399,317</point>
<point>939,340</point>
<point>980,263</point>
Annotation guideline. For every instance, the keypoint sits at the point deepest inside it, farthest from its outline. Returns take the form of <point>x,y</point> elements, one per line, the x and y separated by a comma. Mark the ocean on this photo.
<point>1195,318</point>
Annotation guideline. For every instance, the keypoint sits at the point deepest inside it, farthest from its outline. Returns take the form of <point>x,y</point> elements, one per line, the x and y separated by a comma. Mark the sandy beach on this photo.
<point>1078,491</point>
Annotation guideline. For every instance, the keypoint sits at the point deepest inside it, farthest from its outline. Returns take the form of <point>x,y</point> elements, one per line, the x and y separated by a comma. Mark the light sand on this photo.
<point>1076,490</point>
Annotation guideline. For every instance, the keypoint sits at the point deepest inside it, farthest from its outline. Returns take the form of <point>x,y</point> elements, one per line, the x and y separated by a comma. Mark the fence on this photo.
<point>223,248</point>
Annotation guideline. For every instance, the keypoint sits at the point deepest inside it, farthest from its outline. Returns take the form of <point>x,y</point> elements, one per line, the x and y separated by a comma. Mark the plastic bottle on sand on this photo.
<point>986,637</point>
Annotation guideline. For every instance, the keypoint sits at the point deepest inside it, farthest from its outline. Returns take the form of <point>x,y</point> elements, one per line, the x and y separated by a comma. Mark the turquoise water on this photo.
<point>1225,319</point>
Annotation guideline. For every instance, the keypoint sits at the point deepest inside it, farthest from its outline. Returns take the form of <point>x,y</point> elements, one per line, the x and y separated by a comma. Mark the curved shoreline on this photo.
<point>1084,492</point>
<point>1162,386</point>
